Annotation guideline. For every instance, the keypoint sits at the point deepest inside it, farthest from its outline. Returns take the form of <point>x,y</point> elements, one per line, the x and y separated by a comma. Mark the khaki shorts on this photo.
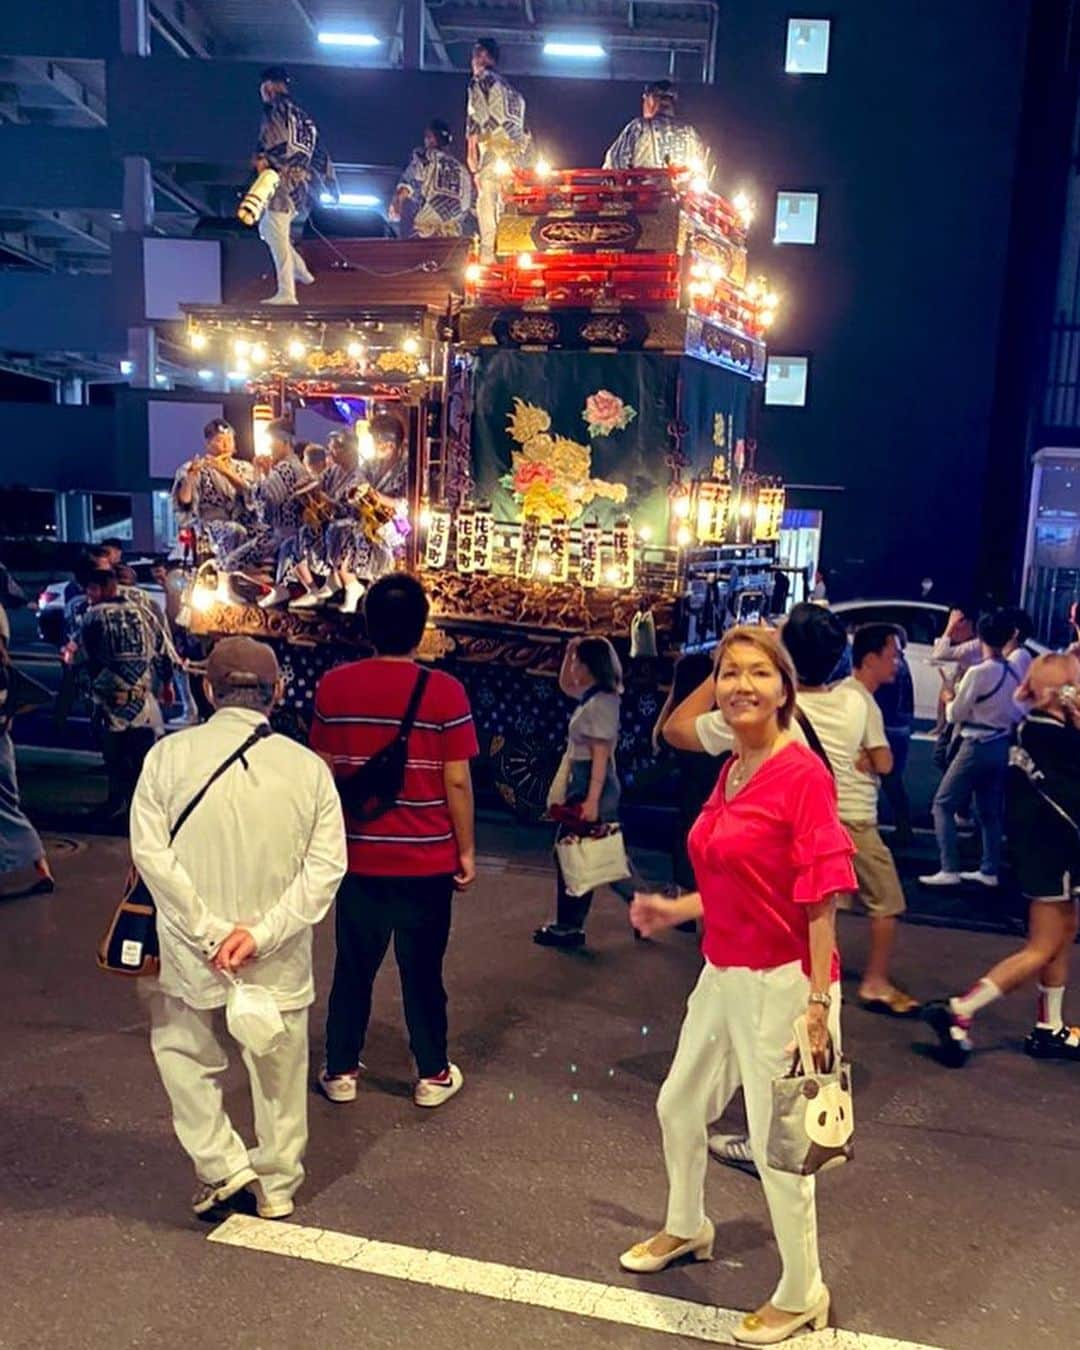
<point>879,884</point>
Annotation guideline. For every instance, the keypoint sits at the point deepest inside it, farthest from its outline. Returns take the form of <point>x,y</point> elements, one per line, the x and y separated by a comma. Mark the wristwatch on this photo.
<point>824,999</point>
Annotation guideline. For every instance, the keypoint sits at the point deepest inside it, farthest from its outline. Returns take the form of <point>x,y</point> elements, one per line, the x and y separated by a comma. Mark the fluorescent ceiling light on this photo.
<point>349,40</point>
<point>206,374</point>
<point>350,199</point>
<point>589,51</point>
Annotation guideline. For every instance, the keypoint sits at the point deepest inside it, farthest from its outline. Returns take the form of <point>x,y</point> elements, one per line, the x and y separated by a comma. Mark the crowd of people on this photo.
<point>780,756</point>
<point>302,524</point>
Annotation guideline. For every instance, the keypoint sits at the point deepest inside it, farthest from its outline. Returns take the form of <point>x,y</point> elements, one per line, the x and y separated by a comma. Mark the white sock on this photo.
<point>1049,1007</point>
<point>977,997</point>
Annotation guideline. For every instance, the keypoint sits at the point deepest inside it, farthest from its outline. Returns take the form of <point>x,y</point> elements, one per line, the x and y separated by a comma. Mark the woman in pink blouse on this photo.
<point>770,857</point>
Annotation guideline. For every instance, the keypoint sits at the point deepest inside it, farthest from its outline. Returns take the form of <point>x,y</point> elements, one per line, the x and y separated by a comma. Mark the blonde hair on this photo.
<point>769,645</point>
<point>1065,667</point>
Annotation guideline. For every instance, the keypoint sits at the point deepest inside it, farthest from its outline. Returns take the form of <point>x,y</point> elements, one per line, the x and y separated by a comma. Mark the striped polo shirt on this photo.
<point>358,710</point>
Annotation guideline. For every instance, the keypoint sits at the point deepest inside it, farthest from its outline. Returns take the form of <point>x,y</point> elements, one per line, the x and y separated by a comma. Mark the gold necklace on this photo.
<point>743,770</point>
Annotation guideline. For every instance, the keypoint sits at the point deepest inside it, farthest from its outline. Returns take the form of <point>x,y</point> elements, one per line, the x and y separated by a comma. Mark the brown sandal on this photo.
<point>895,1004</point>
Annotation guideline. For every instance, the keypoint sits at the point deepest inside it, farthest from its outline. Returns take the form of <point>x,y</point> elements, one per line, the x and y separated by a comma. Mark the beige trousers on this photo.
<point>737,1030</point>
<point>188,1051</point>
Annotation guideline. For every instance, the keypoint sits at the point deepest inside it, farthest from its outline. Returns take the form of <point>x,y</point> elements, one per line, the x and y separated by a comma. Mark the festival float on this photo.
<point>578,419</point>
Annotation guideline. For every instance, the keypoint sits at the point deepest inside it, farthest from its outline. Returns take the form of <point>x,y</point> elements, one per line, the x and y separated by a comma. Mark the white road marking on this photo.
<point>512,1284</point>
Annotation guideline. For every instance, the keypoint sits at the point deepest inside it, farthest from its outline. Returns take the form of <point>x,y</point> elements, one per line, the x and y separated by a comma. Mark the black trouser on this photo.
<point>124,752</point>
<point>415,912</point>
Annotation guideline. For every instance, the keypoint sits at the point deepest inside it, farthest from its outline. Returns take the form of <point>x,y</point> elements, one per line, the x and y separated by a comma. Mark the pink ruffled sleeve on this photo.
<point>821,848</point>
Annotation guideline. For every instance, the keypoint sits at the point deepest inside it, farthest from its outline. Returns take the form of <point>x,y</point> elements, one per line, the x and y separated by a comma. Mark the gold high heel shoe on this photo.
<point>645,1262</point>
<point>753,1331</point>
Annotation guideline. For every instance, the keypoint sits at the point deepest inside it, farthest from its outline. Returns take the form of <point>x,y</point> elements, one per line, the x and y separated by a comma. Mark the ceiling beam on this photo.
<point>25,246</point>
<point>435,40</point>
<point>684,37</point>
<point>183,27</point>
<point>37,70</point>
<point>81,227</point>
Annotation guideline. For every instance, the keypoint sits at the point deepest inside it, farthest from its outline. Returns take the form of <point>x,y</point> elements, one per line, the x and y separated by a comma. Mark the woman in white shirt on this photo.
<point>592,675</point>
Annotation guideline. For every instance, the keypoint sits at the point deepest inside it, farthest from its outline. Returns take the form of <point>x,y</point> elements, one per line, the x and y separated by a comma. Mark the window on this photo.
<point>807,47</point>
<point>110,516</point>
<point>785,381</point>
<point>796,218</point>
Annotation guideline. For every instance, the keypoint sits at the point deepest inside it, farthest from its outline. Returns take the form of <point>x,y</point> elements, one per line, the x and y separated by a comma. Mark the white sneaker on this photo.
<point>279,299</point>
<point>941,879</point>
<point>340,1087</point>
<point>734,1150</point>
<point>213,1193</point>
<point>354,593</point>
<point>980,878</point>
<point>277,596</point>
<point>277,1209</point>
<point>432,1092</point>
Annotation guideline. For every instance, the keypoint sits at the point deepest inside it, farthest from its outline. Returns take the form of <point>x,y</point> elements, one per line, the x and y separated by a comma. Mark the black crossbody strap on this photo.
<point>813,740</point>
<point>259,734</point>
<point>414,704</point>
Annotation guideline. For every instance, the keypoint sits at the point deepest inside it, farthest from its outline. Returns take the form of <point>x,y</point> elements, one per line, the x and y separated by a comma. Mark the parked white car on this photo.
<point>923,623</point>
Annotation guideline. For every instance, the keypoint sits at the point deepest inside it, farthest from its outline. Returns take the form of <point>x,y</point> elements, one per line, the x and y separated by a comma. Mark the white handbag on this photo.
<point>253,1018</point>
<point>591,860</point>
<point>813,1119</point>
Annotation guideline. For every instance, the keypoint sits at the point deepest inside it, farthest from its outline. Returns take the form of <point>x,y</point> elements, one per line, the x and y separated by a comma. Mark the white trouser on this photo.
<point>737,1028</point>
<point>190,1059</point>
<point>274,231</point>
<point>488,210</point>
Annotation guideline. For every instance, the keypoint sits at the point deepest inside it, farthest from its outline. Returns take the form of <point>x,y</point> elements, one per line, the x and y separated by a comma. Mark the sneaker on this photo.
<point>941,879</point>
<point>980,878</point>
<point>275,1209</point>
<point>213,1193</point>
<point>952,1032</point>
<point>733,1150</point>
<point>551,935</point>
<point>301,271</point>
<point>338,1087</point>
<point>435,1091</point>
<point>1046,1043</point>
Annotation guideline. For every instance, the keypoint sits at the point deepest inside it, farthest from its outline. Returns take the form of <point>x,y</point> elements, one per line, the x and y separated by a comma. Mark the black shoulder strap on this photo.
<point>1006,671</point>
<point>259,734</point>
<point>813,740</point>
<point>414,704</point>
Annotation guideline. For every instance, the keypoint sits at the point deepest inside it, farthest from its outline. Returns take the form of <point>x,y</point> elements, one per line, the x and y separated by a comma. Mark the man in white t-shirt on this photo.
<point>851,732</point>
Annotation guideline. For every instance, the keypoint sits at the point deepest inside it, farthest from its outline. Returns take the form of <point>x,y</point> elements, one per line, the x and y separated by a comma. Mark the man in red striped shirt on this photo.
<point>404,865</point>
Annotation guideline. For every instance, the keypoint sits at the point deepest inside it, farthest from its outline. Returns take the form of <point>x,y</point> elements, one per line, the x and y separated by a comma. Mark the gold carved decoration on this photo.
<point>533,328</point>
<point>606,330</point>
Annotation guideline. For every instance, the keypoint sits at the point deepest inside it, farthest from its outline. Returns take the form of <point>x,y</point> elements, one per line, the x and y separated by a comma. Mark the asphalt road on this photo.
<point>955,1227</point>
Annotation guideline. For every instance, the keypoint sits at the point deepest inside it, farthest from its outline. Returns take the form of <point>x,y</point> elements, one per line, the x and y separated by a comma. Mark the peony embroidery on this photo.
<point>550,474</point>
<point>605,412</point>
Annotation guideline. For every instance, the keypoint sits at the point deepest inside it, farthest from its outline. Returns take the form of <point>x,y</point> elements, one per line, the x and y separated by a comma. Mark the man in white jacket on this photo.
<point>247,876</point>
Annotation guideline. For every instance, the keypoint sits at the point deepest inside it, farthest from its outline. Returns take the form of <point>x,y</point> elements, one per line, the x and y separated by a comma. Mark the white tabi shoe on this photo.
<point>277,596</point>
<point>354,593</point>
<point>313,599</point>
